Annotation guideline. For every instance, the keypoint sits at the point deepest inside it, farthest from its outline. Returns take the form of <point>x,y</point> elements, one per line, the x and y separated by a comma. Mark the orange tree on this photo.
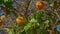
<point>31,16</point>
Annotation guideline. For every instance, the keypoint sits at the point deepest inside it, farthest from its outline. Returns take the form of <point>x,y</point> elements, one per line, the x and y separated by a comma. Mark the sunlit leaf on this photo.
<point>28,26</point>
<point>46,22</point>
<point>30,17</point>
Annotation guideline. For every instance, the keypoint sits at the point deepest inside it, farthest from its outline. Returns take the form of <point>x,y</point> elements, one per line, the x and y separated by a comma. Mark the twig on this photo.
<point>26,15</point>
<point>17,3</point>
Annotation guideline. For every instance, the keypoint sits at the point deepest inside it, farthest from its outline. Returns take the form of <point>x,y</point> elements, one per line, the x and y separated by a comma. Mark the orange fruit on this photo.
<point>39,5</point>
<point>19,19</point>
<point>1,23</point>
<point>50,31</point>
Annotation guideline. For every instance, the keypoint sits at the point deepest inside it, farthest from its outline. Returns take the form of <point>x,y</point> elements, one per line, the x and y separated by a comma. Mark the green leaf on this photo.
<point>8,3</point>
<point>28,26</point>
<point>46,22</point>
<point>38,15</point>
<point>23,20</point>
<point>30,17</point>
<point>10,31</point>
<point>5,0</point>
<point>37,25</point>
<point>1,1</point>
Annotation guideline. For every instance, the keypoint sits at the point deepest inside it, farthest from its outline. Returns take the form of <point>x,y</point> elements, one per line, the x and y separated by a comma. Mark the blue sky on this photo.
<point>1,12</point>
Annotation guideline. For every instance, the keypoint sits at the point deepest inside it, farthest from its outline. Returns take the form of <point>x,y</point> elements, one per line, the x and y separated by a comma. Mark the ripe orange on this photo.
<point>50,31</point>
<point>19,19</point>
<point>39,5</point>
<point>1,23</point>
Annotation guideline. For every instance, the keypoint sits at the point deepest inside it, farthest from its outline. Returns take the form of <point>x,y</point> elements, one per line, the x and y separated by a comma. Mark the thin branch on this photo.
<point>27,10</point>
<point>17,3</point>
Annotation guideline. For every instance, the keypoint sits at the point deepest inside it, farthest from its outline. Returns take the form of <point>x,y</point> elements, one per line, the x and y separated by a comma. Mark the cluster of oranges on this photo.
<point>38,5</point>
